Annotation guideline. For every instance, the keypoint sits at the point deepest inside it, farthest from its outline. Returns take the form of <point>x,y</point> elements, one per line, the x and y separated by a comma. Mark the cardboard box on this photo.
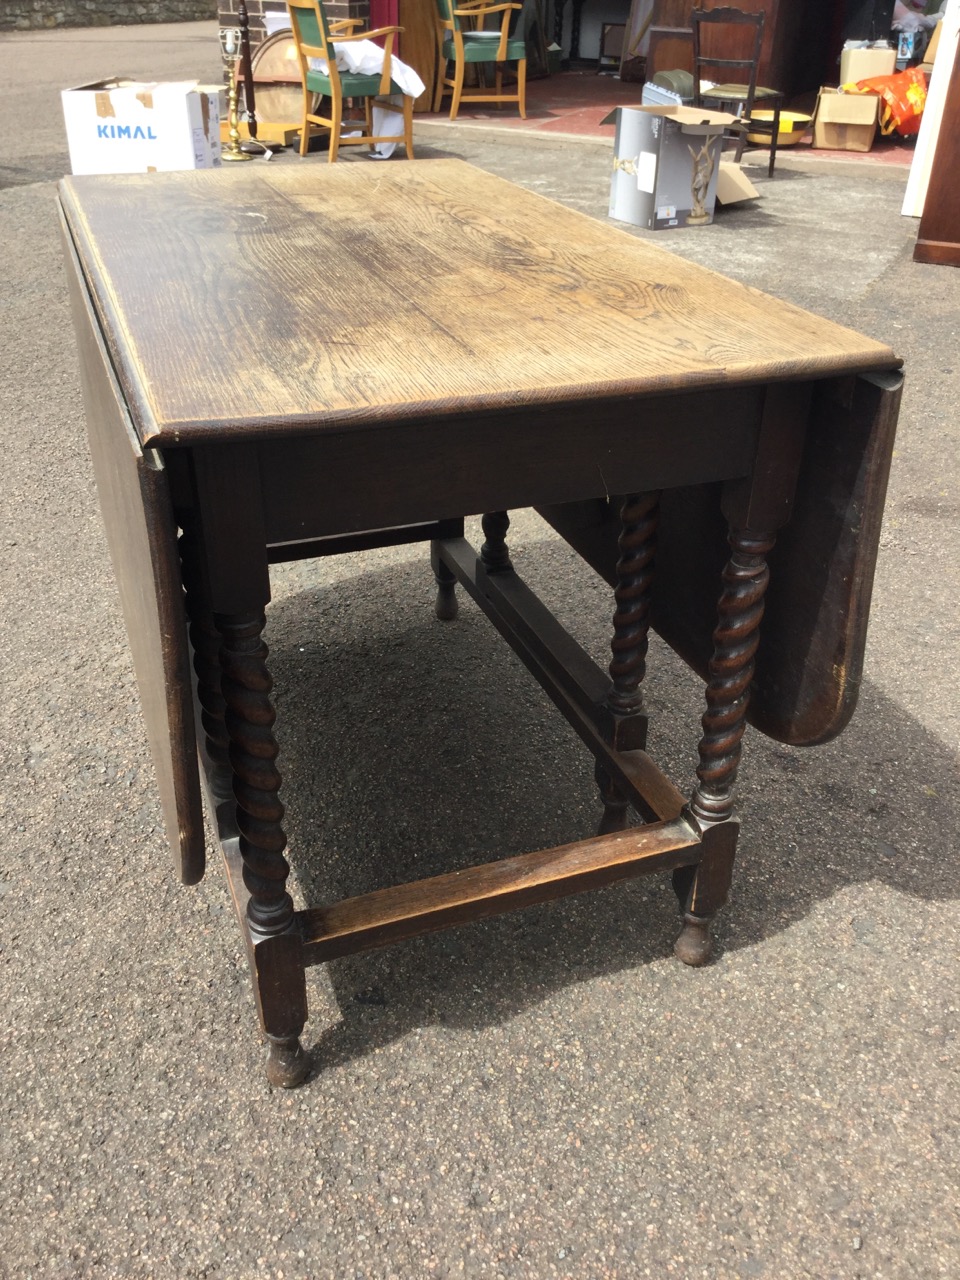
<point>845,121</point>
<point>930,53</point>
<point>733,185</point>
<point>126,126</point>
<point>666,164</point>
<point>861,64</point>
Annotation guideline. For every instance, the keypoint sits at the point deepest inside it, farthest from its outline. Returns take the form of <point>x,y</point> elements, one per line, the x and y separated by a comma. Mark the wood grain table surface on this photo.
<point>351,294</point>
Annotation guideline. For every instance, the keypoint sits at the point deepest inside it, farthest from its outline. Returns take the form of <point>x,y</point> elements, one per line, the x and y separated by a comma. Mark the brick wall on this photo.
<point>23,15</point>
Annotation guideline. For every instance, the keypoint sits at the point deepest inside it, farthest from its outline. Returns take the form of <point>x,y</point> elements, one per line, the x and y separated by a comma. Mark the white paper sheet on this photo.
<point>365,58</point>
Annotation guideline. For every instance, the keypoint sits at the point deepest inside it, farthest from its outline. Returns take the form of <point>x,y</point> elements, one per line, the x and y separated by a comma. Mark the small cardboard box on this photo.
<point>861,64</point>
<point>665,165</point>
<point>126,126</point>
<point>845,121</point>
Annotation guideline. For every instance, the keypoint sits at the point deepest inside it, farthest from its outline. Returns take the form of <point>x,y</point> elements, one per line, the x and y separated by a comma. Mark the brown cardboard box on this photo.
<point>930,53</point>
<point>861,64</point>
<point>845,121</point>
<point>733,185</point>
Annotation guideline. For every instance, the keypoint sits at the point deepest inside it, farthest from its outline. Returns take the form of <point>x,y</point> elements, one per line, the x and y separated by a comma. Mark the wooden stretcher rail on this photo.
<point>566,673</point>
<point>390,915</point>
<point>315,548</point>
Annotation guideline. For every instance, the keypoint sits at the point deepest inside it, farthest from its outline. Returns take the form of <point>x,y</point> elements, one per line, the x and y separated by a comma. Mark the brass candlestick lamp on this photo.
<point>231,45</point>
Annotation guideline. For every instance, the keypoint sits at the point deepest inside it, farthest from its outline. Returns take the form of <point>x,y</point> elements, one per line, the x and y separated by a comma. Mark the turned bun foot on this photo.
<point>695,945</point>
<point>446,605</point>
<point>287,1064</point>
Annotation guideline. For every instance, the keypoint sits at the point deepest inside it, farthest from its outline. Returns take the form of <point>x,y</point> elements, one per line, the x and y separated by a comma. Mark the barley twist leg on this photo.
<point>625,722</point>
<point>735,640</point>
<point>277,958</point>
<point>205,642</point>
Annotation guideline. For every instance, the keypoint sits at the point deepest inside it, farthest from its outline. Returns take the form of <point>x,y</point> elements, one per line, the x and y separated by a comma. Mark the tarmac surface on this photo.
<point>548,1094</point>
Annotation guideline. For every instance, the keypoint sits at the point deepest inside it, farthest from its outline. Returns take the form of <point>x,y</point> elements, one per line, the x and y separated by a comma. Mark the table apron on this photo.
<point>381,477</point>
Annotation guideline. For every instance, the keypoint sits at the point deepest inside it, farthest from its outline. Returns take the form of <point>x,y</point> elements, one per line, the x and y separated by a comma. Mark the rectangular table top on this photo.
<point>249,304</point>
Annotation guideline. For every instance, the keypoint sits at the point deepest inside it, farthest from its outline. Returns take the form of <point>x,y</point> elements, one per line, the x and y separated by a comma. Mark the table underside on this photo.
<point>579,689</point>
<point>696,841</point>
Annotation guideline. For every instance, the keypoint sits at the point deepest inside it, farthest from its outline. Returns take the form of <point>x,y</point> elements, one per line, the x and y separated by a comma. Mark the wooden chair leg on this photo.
<point>741,143</point>
<point>368,119</point>
<point>408,125</point>
<point>457,90</point>
<point>498,85</point>
<point>522,87</point>
<point>773,140</point>
<point>441,81</point>
<point>336,123</point>
<point>305,127</point>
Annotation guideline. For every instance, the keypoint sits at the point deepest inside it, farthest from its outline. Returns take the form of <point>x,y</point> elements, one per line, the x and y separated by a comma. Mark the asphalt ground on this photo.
<point>545,1094</point>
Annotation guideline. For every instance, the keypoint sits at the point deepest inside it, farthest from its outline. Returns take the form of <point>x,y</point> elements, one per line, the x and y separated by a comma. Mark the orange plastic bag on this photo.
<point>902,99</point>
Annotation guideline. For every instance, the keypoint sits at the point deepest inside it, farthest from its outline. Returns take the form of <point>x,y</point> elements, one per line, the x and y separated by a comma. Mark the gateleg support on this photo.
<point>623,719</point>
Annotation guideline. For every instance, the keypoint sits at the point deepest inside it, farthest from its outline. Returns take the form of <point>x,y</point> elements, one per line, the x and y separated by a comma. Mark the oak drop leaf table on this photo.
<point>304,361</point>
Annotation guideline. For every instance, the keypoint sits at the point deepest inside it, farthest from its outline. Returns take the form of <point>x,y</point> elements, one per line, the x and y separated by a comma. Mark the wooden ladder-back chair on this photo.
<point>740,98</point>
<point>314,37</point>
<point>478,47</point>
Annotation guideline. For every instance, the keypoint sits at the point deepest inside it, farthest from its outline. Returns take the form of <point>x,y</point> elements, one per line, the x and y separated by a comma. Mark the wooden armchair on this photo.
<point>313,36</point>
<point>478,47</point>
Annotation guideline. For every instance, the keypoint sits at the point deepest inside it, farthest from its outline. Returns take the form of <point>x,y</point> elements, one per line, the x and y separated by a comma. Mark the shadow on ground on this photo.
<point>411,747</point>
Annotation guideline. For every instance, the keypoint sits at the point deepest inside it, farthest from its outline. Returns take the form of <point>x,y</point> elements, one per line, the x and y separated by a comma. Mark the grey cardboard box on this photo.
<point>665,165</point>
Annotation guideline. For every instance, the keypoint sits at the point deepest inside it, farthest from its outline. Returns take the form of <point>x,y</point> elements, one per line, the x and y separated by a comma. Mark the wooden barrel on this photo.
<point>276,79</point>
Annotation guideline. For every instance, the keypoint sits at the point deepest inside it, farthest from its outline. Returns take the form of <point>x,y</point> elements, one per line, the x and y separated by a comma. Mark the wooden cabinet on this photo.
<point>939,236</point>
<point>418,45</point>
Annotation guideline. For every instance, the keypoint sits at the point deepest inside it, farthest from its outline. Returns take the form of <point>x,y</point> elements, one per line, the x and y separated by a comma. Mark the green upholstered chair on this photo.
<point>314,37</point>
<point>477,46</point>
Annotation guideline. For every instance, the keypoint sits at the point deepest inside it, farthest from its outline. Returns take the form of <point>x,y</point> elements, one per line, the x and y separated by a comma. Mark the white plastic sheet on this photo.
<point>365,58</point>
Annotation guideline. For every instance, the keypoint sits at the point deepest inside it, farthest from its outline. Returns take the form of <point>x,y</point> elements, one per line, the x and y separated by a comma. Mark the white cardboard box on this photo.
<point>127,126</point>
<point>666,165</point>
